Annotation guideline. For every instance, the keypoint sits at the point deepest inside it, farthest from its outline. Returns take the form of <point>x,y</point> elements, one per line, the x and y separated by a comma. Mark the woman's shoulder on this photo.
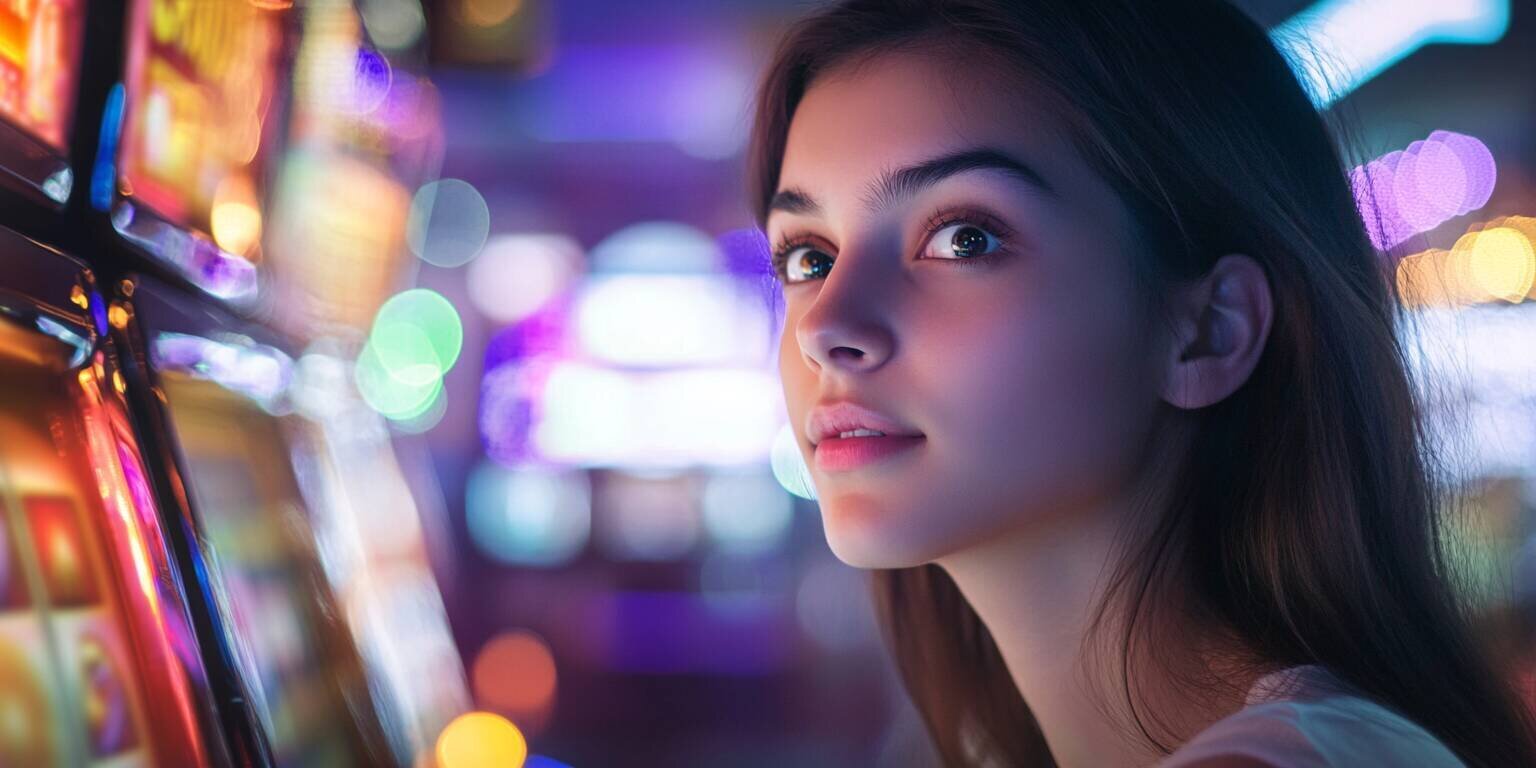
<point>1303,717</point>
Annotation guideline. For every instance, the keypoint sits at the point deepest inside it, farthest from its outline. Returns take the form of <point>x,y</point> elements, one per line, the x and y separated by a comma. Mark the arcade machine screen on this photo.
<point>200,89</point>
<point>39,67</point>
<point>297,656</point>
<point>90,640</point>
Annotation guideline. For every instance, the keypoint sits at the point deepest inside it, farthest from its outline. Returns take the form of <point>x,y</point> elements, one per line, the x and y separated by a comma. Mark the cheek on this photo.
<point>1040,404</point>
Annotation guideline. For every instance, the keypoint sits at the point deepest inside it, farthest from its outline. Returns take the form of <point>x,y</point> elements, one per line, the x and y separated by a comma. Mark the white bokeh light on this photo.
<point>516,274</point>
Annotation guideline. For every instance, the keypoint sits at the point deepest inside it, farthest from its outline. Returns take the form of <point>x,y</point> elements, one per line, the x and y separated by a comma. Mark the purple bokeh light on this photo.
<point>1407,192</point>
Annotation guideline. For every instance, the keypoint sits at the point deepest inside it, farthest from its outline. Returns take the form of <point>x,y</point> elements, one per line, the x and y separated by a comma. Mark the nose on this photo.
<point>848,327</point>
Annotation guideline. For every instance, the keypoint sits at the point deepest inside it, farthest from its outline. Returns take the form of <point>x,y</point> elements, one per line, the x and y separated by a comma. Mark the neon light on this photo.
<point>104,173</point>
<point>1357,40</point>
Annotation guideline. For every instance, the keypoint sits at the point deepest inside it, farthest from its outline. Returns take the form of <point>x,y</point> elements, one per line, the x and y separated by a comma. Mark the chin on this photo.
<point>865,533</point>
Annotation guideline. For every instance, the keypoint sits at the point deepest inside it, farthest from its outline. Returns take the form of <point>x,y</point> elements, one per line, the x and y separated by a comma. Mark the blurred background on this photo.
<point>429,345</point>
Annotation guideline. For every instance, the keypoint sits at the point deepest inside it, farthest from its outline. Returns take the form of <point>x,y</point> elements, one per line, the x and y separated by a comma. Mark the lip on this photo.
<point>828,420</point>
<point>840,454</point>
<point>833,453</point>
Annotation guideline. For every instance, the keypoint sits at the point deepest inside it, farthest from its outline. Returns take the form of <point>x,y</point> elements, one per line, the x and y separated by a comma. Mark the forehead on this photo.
<point>900,108</point>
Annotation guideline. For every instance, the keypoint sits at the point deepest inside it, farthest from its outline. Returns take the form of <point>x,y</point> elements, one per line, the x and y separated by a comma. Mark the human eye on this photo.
<point>963,236</point>
<point>798,261</point>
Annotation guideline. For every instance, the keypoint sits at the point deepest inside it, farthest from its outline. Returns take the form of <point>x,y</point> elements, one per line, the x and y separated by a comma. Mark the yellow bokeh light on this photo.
<point>1525,225</point>
<point>1495,261</point>
<point>481,740</point>
<point>118,316</point>
<point>236,217</point>
<point>1502,263</point>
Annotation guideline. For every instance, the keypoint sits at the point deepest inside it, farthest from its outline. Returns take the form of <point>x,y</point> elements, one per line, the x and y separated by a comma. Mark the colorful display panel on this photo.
<point>301,666</point>
<point>39,66</point>
<point>200,93</point>
<point>71,685</point>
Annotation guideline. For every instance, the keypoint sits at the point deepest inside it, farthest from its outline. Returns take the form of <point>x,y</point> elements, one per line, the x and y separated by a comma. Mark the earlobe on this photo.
<point>1222,323</point>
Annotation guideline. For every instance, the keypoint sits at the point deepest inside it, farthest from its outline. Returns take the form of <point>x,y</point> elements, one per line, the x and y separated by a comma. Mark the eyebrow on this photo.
<point>897,184</point>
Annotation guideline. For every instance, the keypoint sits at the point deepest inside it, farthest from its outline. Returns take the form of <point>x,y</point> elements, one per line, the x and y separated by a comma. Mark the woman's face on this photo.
<point>955,268</point>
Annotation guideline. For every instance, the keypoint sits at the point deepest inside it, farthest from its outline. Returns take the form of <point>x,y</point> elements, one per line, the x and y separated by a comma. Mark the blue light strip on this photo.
<point>104,173</point>
<point>1336,46</point>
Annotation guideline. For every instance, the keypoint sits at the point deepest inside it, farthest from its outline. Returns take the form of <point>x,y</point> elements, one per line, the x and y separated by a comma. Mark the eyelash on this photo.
<point>939,220</point>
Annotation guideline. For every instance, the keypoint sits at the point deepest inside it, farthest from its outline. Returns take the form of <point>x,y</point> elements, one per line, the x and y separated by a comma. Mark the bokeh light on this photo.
<point>1495,261</point>
<point>1406,192</point>
<point>746,512</point>
<point>416,338</point>
<point>417,334</point>
<point>448,224</point>
<point>595,416</point>
<point>393,24</point>
<point>390,395</point>
<point>509,404</point>
<point>517,274</point>
<point>672,320</point>
<point>236,215</point>
<point>481,740</point>
<point>527,515</point>
<point>489,13</point>
<point>1501,261</point>
<point>514,674</point>
<point>428,417</point>
<point>656,246</point>
<point>646,517</point>
<point>789,465</point>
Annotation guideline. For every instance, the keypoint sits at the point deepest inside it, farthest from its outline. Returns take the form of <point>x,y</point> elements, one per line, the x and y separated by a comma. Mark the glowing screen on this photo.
<point>39,65</point>
<point>200,89</point>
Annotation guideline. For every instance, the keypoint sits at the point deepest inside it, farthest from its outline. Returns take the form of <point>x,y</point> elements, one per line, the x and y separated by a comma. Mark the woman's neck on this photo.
<point>1036,590</point>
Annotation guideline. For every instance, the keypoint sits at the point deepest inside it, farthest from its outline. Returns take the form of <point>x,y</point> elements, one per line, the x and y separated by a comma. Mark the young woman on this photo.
<point>1095,369</point>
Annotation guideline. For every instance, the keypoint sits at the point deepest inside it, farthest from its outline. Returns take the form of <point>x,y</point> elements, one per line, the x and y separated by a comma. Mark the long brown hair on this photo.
<point>1304,515</point>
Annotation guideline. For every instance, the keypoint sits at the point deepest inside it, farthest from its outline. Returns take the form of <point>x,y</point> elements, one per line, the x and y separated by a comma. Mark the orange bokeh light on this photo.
<point>515,673</point>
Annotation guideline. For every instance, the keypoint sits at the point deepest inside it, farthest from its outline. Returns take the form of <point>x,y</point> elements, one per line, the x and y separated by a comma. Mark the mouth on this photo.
<point>844,453</point>
<point>848,435</point>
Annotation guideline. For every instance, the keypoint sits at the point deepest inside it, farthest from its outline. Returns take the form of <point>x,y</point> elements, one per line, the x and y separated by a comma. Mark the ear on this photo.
<point>1220,325</point>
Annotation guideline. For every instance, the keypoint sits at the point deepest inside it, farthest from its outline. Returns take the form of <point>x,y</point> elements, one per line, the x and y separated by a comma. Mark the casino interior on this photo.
<point>393,382</point>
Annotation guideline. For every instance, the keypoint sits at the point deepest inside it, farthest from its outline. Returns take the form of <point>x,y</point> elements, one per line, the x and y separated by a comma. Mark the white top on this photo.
<point>1305,717</point>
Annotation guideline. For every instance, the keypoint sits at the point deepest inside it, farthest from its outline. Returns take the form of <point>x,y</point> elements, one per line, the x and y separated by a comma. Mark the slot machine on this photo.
<point>228,439</point>
<point>209,550</point>
<point>334,649</point>
<point>99,662</point>
<point>99,665</point>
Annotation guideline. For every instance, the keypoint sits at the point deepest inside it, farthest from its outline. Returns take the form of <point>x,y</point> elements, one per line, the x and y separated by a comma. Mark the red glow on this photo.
<point>66,565</point>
